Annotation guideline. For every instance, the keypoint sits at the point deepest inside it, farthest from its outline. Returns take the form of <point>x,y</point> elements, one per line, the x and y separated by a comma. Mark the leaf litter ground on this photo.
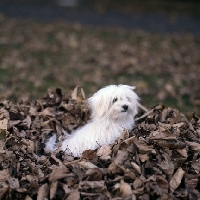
<point>37,55</point>
<point>158,159</point>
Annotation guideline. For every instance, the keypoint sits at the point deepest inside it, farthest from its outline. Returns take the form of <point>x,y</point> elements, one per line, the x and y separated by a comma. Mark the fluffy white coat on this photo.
<point>112,109</point>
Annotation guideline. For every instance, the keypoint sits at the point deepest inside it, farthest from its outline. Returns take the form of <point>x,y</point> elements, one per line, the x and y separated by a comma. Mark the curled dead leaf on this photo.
<point>3,190</point>
<point>171,144</point>
<point>43,192</point>
<point>196,166</point>
<point>104,150</point>
<point>31,178</point>
<point>33,111</point>
<point>122,189</point>
<point>136,167</point>
<point>117,169</point>
<point>183,152</point>
<point>78,94</point>
<point>176,179</point>
<point>188,134</point>
<point>87,165</point>
<point>194,146</point>
<point>162,135</point>
<point>178,125</point>
<point>4,175</point>
<point>3,124</point>
<point>143,157</point>
<point>4,113</point>
<point>129,140</point>
<point>75,195</point>
<point>58,173</point>
<point>138,183</point>
<point>121,156</point>
<point>167,165</point>
<point>48,112</point>
<point>125,189</point>
<point>94,174</point>
<point>96,186</point>
<point>14,183</point>
<point>52,189</point>
<point>21,190</point>
<point>28,197</point>
<point>198,132</point>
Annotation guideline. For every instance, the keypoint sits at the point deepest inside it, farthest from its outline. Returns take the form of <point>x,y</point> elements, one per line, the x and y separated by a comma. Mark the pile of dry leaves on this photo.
<point>159,159</point>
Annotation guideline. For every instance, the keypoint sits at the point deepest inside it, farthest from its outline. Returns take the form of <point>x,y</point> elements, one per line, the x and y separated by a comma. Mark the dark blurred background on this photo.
<point>152,44</point>
<point>149,15</point>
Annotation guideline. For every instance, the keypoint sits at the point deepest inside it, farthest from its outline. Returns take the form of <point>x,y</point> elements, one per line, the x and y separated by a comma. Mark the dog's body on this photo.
<point>112,109</point>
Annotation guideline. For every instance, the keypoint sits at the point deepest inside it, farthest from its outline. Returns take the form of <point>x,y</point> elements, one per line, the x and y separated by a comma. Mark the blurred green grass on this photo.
<point>35,56</point>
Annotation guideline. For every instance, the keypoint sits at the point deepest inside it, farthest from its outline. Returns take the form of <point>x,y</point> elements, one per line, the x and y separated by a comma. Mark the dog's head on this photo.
<point>114,102</point>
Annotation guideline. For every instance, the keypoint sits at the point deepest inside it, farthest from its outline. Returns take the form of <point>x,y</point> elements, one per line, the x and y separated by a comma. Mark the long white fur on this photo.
<point>108,118</point>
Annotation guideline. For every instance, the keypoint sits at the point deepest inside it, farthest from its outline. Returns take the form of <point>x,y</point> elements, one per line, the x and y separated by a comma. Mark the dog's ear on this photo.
<point>98,104</point>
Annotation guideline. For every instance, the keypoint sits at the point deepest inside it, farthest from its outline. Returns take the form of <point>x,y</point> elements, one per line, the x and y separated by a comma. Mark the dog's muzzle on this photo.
<point>125,107</point>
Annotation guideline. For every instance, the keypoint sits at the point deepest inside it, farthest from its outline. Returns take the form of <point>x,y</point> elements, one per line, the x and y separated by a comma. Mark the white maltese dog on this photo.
<point>112,109</point>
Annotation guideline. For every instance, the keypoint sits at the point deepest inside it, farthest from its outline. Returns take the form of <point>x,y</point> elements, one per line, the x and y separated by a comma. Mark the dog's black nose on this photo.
<point>125,107</point>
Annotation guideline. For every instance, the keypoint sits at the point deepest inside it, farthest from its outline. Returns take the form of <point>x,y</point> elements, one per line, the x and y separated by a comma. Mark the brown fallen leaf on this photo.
<point>48,112</point>
<point>143,146</point>
<point>28,197</point>
<point>75,195</point>
<point>95,186</point>
<point>3,190</point>
<point>78,94</point>
<point>33,111</point>
<point>194,146</point>
<point>123,189</point>
<point>138,183</point>
<point>58,173</point>
<point>136,167</point>
<point>3,124</point>
<point>14,183</point>
<point>31,178</point>
<point>117,169</point>
<point>87,165</point>
<point>4,175</point>
<point>167,165</point>
<point>176,179</point>
<point>53,189</point>
<point>43,192</point>
<point>171,144</point>
<point>183,152</point>
<point>121,156</point>
<point>94,174</point>
<point>143,157</point>
<point>162,135</point>
<point>25,122</point>
<point>196,166</point>
<point>104,150</point>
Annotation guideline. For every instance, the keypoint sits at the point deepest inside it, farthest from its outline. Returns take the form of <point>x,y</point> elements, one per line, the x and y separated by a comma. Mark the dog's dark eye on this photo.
<point>114,100</point>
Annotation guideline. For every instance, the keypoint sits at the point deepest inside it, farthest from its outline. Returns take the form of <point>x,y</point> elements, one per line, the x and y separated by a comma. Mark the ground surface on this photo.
<point>165,68</point>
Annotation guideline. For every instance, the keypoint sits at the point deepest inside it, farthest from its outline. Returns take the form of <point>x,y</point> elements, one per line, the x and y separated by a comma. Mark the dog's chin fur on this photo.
<point>108,118</point>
